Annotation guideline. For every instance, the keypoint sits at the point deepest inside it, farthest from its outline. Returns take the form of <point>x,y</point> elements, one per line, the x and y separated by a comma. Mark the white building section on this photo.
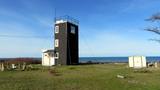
<point>48,57</point>
<point>137,61</point>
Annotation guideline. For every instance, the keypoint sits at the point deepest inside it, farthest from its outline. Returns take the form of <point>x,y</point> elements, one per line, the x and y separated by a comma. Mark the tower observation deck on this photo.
<point>66,18</point>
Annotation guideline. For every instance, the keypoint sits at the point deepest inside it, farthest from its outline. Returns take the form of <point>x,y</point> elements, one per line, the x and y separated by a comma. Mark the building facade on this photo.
<point>66,41</point>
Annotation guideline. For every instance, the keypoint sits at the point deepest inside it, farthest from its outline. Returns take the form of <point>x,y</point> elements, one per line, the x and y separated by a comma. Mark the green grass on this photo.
<point>81,77</point>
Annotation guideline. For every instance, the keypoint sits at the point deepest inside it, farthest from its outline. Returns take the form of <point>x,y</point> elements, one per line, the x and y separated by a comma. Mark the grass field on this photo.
<point>82,77</point>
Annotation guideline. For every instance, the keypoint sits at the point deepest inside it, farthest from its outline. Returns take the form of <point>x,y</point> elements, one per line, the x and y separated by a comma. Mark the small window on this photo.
<point>73,29</point>
<point>56,42</point>
<point>56,55</point>
<point>56,29</point>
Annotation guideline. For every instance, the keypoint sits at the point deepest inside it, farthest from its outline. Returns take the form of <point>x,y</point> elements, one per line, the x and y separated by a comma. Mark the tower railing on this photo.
<point>67,18</point>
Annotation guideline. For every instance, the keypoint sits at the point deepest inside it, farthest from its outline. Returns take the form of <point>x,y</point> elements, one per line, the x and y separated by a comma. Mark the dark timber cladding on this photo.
<point>66,42</point>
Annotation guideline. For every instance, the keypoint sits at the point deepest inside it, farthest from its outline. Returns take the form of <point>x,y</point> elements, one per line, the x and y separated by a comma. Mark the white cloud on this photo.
<point>23,45</point>
<point>19,47</point>
<point>139,5</point>
<point>116,44</point>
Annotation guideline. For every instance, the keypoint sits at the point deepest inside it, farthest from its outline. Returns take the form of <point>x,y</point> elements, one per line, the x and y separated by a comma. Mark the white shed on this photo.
<point>137,61</point>
<point>48,57</point>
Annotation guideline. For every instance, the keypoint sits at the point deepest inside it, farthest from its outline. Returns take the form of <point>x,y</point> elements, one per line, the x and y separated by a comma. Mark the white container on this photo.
<point>137,61</point>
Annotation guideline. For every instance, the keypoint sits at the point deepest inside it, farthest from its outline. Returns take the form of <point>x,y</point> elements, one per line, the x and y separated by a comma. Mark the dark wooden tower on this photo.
<point>66,41</point>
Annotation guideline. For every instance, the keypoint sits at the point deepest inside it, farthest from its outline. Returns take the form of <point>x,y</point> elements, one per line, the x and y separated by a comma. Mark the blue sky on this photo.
<point>107,27</point>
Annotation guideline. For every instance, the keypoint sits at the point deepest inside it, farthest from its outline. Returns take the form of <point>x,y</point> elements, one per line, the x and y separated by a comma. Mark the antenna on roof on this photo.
<point>55,12</point>
<point>55,15</point>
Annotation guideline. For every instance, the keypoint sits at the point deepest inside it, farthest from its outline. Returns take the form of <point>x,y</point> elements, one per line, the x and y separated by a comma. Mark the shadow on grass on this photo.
<point>142,71</point>
<point>54,72</point>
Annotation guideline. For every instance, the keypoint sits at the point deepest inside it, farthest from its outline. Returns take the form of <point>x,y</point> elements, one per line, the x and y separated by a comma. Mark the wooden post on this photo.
<point>156,65</point>
<point>2,67</point>
<point>24,66</point>
<point>8,66</point>
<point>19,66</point>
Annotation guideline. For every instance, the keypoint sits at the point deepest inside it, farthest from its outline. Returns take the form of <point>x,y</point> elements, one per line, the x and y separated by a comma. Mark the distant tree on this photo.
<point>154,29</point>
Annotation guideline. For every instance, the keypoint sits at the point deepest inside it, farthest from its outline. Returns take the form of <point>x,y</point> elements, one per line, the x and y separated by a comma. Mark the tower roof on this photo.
<point>66,18</point>
<point>47,50</point>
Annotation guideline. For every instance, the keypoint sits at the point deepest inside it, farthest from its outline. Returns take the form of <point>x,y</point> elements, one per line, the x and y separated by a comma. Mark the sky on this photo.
<point>106,27</point>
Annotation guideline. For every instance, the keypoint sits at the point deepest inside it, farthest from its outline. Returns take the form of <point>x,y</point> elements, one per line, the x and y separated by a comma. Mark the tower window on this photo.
<point>73,29</point>
<point>56,55</point>
<point>56,42</point>
<point>56,29</point>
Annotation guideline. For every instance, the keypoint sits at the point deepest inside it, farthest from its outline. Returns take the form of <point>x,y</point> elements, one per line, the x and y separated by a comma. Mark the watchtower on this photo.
<point>66,41</point>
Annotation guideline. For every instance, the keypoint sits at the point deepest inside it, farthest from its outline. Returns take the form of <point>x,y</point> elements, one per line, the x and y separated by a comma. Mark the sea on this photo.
<point>103,59</point>
<point>115,59</point>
